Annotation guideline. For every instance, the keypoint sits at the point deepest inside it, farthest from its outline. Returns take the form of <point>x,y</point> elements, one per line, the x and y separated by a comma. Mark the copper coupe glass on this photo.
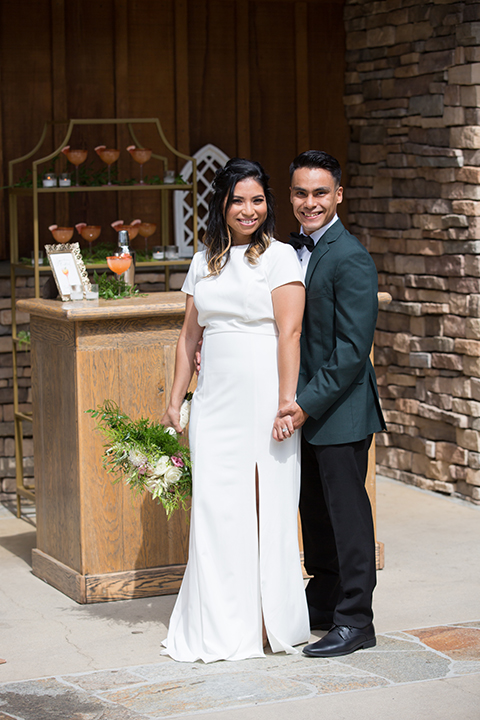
<point>146,229</point>
<point>109,156</point>
<point>76,157</point>
<point>89,233</point>
<point>61,234</point>
<point>141,156</point>
<point>119,264</point>
<point>132,229</point>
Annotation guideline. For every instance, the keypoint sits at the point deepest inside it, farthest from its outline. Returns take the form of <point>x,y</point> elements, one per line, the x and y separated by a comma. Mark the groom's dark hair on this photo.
<point>317,159</point>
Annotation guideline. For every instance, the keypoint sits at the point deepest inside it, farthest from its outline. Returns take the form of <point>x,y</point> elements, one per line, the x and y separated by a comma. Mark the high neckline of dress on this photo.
<point>245,245</point>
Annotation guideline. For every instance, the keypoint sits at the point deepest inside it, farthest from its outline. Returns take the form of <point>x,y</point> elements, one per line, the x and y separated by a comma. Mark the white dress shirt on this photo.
<point>303,254</point>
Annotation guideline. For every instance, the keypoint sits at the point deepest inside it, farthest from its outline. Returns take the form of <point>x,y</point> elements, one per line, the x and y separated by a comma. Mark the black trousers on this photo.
<point>338,534</point>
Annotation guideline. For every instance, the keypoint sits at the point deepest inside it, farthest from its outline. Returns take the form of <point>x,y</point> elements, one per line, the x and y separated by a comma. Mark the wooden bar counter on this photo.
<point>97,541</point>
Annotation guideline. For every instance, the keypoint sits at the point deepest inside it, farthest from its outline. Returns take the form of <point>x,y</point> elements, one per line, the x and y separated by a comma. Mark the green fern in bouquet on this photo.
<point>147,455</point>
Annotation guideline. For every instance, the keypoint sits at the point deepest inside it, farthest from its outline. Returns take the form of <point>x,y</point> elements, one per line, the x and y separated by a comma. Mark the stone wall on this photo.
<point>152,281</point>
<point>412,100</point>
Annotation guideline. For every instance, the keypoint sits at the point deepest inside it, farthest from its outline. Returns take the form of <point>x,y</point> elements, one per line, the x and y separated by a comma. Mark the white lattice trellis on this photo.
<point>209,159</point>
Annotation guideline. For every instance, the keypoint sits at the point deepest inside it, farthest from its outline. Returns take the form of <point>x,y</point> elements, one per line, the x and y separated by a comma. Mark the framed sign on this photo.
<point>68,268</point>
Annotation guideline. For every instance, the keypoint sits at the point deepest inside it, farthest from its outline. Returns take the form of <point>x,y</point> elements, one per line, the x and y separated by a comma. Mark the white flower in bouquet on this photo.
<point>173,475</point>
<point>185,413</point>
<point>161,465</point>
<point>156,487</point>
<point>117,450</point>
<point>156,461</point>
<point>137,458</point>
<point>151,483</point>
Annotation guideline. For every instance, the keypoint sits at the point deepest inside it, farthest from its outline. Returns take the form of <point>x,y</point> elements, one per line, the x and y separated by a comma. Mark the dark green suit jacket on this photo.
<point>337,386</point>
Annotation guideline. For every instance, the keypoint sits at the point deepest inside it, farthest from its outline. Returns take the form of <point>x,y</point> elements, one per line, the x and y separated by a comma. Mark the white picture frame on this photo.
<point>68,268</point>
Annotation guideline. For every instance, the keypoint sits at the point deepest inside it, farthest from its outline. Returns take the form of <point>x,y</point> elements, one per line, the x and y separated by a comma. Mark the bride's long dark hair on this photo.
<point>218,238</point>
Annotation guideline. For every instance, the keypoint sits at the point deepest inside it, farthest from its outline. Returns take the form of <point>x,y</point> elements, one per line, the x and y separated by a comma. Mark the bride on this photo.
<point>243,584</point>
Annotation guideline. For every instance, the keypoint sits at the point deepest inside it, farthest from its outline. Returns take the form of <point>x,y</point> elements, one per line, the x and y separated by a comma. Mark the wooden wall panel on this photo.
<point>52,360</point>
<point>89,60</point>
<point>98,554</point>
<point>259,78</point>
<point>328,125</point>
<point>182,109</point>
<point>122,102</point>
<point>151,92</point>
<point>212,74</point>
<point>59,94</point>
<point>301,77</point>
<point>243,78</point>
<point>117,354</point>
<point>272,98</point>
<point>90,74</point>
<point>26,96</point>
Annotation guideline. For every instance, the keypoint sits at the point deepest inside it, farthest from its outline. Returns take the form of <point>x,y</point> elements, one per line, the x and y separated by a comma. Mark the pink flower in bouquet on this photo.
<point>178,462</point>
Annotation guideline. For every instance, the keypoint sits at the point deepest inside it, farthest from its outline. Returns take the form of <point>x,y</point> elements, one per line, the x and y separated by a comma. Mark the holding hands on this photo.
<point>289,417</point>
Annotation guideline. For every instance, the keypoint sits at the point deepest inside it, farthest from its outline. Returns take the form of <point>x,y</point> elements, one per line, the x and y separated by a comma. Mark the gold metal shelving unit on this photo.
<point>35,192</point>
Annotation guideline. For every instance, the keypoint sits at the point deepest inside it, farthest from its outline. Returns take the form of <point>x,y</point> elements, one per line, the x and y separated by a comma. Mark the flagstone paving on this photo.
<point>169,689</point>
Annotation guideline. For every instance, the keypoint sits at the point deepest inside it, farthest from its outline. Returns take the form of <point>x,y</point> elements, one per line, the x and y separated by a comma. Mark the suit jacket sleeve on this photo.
<point>355,286</point>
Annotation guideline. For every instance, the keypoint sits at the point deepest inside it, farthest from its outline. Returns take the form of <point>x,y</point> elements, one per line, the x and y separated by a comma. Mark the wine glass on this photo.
<point>76,157</point>
<point>89,233</point>
<point>141,156</point>
<point>119,264</point>
<point>61,234</point>
<point>146,229</point>
<point>109,156</point>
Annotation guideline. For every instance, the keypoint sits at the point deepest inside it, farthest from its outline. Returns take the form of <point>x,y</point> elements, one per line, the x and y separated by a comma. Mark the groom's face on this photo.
<point>314,196</point>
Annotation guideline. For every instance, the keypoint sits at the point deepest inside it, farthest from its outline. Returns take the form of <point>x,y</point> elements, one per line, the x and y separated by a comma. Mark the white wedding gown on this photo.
<point>236,571</point>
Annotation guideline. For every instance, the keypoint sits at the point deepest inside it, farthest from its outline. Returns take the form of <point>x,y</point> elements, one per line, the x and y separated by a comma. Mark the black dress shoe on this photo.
<point>342,640</point>
<point>320,620</point>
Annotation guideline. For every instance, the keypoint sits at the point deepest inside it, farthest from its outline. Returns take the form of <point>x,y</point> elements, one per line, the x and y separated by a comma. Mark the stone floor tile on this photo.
<point>103,680</point>
<point>335,677</point>
<point>221,691</point>
<point>390,643</point>
<point>409,666</point>
<point>397,635</point>
<point>458,643</point>
<point>465,668</point>
<point>474,624</point>
<point>272,663</point>
<point>50,699</point>
<point>168,688</point>
<point>343,683</point>
<point>112,712</point>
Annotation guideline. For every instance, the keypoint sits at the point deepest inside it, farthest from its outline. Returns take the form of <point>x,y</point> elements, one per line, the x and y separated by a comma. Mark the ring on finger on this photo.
<point>284,430</point>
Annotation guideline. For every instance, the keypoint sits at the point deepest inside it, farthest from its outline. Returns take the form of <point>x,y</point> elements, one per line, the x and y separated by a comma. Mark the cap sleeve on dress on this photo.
<point>193,274</point>
<point>282,265</point>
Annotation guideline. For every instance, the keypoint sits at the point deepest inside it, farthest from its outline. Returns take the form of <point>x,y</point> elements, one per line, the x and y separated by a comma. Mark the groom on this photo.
<point>338,407</point>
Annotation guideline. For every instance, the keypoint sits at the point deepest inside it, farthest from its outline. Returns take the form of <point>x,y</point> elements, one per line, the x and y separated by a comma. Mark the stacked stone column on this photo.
<point>412,99</point>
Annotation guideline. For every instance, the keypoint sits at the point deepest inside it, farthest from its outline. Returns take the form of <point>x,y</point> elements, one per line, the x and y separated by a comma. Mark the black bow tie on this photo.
<point>298,241</point>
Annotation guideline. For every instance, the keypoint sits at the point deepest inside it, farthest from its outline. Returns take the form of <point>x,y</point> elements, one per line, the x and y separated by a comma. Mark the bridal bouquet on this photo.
<point>147,455</point>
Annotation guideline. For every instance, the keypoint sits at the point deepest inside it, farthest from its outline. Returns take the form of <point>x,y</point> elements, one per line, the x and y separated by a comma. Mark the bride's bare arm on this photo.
<point>288,305</point>
<point>184,364</point>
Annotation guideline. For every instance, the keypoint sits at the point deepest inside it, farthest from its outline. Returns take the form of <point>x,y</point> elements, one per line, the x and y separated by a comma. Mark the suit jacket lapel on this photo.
<point>322,247</point>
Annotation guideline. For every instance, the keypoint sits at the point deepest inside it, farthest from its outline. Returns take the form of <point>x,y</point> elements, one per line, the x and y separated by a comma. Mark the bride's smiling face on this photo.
<point>247,211</point>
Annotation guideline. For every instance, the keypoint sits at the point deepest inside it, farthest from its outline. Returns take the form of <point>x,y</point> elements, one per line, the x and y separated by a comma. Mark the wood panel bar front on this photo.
<point>96,541</point>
